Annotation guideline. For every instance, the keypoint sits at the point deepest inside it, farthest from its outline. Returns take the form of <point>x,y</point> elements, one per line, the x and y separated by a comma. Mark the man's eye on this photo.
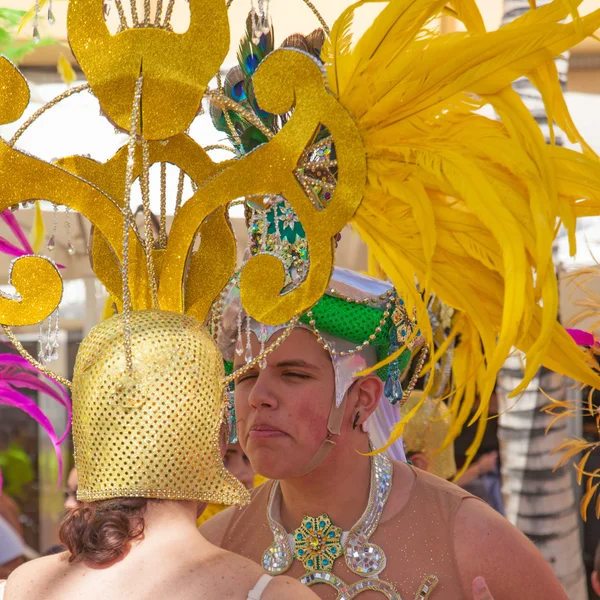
<point>297,375</point>
<point>246,378</point>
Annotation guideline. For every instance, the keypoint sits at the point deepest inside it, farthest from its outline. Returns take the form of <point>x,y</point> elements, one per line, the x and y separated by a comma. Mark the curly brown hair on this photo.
<point>101,532</point>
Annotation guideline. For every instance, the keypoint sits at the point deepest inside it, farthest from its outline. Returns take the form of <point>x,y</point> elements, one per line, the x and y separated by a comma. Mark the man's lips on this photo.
<point>263,432</point>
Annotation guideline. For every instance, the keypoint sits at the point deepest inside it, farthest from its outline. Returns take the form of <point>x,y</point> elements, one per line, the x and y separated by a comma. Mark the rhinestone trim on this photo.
<point>427,587</point>
<point>278,557</point>
<point>363,558</point>
<point>347,591</point>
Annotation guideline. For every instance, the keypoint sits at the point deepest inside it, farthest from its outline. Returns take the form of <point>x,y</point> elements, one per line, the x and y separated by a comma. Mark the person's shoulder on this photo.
<point>214,529</point>
<point>24,581</point>
<point>481,535</point>
<point>287,588</point>
<point>410,485</point>
<point>424,480</point>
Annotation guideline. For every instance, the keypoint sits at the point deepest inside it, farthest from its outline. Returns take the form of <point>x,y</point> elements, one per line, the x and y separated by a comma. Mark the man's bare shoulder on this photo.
<point>486,544</point>
<point>283,587</point>
<point>405,480</point>
<point>216,527</point>
<point>33,577</point>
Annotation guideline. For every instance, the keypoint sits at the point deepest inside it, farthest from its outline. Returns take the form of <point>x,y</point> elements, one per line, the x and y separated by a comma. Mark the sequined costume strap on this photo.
<point>257,591</point>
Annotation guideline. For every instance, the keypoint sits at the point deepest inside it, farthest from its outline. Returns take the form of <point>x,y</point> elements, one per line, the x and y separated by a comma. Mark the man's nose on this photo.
<point>263,394</point>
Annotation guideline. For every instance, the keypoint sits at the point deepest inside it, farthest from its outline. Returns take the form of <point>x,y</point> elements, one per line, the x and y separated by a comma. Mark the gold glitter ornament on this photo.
<point>286,79</point>
<point>14,92</point>
<point>209,268</point>
<point>28,178</point>
<point>39,288</point>
<point>173,87</point>
<point>154,433</point>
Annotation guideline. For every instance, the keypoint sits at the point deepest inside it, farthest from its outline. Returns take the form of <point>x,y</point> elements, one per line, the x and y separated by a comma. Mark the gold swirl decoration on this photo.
<point>207,268</point>
<point>286,79</point>
<point>23,178</point>
<point>176,69</point>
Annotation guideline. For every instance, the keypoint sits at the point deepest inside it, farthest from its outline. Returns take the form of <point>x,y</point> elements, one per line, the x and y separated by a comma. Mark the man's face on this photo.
<point>238,464</point>
<point>282,410</point>
<point>71,502</point>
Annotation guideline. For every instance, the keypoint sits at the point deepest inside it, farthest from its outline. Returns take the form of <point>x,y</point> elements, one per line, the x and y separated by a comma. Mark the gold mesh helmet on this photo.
<point>426,433</point>
<point>155,433</point>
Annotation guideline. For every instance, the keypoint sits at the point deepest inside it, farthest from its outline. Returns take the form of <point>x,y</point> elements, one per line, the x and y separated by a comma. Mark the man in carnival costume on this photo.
<point>448,201</point>
<point>391,140</point>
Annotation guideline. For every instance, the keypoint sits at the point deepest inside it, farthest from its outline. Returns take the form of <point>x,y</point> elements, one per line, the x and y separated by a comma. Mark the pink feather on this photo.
<point>16,372</point>
<point>7,248</point>
<point>582,338</point>
<point>11,221</point>
<point>12,397</point>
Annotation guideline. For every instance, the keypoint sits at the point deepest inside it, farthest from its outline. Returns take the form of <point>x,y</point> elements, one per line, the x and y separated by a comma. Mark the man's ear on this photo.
<point>366,391</point>
<point>419,460</point>
<point>223,439</point>
<point>596,582</point>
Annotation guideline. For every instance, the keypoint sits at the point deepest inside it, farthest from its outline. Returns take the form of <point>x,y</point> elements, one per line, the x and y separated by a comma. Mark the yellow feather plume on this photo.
<point>466,204</point>
<point>38,231</point>
<point>30,14</point>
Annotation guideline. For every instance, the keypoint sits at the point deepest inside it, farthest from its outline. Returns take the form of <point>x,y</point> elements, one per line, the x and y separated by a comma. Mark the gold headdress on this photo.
<point>426,432</point>
<point>465,204</point>
<point>155,433</point>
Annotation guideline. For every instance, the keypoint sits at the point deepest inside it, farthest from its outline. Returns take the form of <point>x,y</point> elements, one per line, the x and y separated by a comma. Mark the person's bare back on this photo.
<point>195,570</point>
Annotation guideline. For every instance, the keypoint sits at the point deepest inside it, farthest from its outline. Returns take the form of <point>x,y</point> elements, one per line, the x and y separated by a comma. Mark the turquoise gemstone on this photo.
<point>332,534</point>
<point>334,550</point>
<point>300,552</point>
<point>309,525</point>
<point>310,563</point>
<point>322,524</point>
<point>299,536</point>
<point>325,562</point>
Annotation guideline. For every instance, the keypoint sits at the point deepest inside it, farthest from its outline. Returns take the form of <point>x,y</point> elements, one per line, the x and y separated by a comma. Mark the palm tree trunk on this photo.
<point>538,500</point>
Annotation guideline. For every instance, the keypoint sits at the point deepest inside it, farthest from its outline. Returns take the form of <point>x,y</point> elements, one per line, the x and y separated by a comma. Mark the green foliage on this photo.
<point>17,470</point>
<point>10,47</point>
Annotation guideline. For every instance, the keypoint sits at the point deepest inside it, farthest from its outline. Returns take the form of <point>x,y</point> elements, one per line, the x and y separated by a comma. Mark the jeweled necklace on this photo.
<point>318,543</point>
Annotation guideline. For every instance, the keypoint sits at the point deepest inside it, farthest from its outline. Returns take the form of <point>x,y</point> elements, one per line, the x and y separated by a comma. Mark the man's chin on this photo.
<point>270,461</point>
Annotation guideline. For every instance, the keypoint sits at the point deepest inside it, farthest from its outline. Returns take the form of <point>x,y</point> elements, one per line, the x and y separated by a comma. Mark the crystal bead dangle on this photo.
<point>248,356</point>
<point>106,8</point>
<point>52,240</point>
<point>48,343</point>
<point>51,18</point>
<point>239,345</point>
<point>262,338</point>
<point>54,353</point>
<point>36,32</point>
<point>70,247</point>
<point>260,19</point>
<point>41,355</point>
<point>265,230</point>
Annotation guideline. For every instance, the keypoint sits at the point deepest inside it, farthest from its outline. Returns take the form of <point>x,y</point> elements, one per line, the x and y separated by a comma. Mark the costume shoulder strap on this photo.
<point>257,591</point>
